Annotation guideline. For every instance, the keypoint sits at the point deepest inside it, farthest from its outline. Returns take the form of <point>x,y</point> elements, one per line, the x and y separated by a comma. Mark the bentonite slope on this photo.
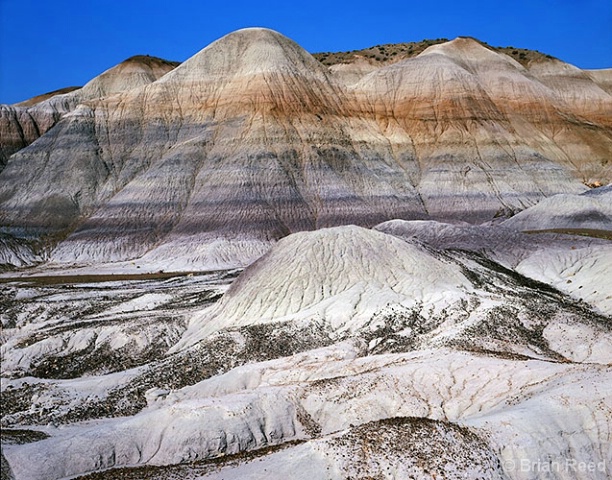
<point>576,265</point>
<point>342,276</point>
<point>591,211</point>
<point>252,139</point>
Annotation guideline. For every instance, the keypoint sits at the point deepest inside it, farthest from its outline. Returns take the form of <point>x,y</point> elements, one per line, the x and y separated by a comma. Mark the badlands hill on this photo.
<point>342,277</point>
<point>206,164</point>
<point>351,65</point>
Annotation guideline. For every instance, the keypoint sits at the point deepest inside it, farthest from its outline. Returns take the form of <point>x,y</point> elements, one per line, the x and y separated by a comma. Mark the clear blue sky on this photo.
<point>46,44</point>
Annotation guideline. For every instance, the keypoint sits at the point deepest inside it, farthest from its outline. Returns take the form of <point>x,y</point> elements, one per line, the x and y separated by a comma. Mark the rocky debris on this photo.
<point>5,469</point>
<point>66,331</point>
<point>21,437</point>
<point>414,448</point>
<point>186,471</point>
<point>57,402</point>
<point>485,410</point>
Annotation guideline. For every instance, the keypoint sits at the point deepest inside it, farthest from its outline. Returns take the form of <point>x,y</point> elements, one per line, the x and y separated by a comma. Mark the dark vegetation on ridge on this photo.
<point>387,53</point>
<point>395,52</point>
<point>46,96</point>
<point>383,54</point>
<point>150,61</point>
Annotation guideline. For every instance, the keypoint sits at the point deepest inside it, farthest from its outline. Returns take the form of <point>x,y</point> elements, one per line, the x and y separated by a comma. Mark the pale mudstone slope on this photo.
<point>353,280</point>
<point>576,265</point>
<point>252,139</point>
<point>512,411</point>
<point>582,271</point>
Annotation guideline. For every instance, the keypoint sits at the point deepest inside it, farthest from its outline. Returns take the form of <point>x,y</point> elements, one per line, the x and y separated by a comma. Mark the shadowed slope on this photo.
<point>589,211</point>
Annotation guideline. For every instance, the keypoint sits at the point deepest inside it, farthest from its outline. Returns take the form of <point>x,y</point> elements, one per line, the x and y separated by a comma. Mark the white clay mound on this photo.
<point>343,275</point>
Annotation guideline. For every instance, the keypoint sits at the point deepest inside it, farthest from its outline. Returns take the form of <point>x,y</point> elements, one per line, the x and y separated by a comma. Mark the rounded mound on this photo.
<point>341,275</point>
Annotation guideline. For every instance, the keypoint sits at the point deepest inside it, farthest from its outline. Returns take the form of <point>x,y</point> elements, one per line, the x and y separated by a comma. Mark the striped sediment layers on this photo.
<point>252,139</point>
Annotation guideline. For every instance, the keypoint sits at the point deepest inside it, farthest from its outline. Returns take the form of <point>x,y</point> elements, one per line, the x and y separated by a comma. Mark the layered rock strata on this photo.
<point>252,139</point>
